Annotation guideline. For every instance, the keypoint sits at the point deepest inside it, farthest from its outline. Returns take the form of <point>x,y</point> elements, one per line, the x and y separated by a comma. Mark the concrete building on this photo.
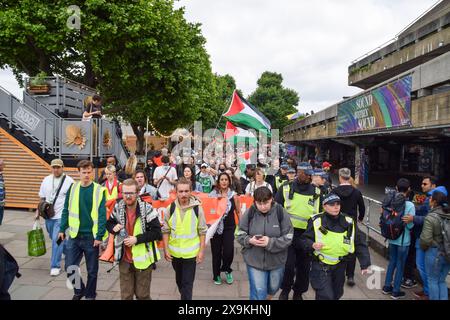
<point>400,124</point>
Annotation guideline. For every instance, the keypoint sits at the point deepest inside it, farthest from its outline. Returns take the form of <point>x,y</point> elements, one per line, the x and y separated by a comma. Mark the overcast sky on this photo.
<point>311,43</point>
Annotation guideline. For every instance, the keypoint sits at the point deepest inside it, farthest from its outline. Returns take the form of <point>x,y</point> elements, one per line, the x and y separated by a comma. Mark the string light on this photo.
<point>157,132</point>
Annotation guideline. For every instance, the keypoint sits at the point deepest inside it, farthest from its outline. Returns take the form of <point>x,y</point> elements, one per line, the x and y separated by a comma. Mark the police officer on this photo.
<point>331,236</point>
<point>281,176</point>
<point>302,200</point>
<point>291,175</point>
<point>319,180</point>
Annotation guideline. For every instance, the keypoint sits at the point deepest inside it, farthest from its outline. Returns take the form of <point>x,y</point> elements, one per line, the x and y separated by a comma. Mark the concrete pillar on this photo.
<point>357,164</point>
<point>361,166</point>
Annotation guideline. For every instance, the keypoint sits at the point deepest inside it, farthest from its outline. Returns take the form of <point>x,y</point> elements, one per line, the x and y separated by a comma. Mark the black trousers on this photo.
<point>298,265</point>
<point>351,264</point>
<point>328,281</point>
<point>185,276</point>
<point>410,265</point>
<point>222,249</point>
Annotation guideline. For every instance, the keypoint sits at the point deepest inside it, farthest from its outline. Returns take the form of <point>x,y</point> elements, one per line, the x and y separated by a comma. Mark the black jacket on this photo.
<point>351,201</point>
<point>336,224</point>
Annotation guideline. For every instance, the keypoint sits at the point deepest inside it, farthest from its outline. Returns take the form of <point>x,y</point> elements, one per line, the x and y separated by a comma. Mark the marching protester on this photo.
<point>2,191</point>
<point>111,161</point>
<point>130,169</point>
<point>205,179</point>
<point>398,248</point>
<point>301,200</point>
<point>326,166</point>
<point>188,173</point>
<point>150,170</point>
<point>112,184</point>
<point>435,242</point>
<point>222,243</point>
<point>352,204</point>
<point>257,183</point>
<point>165,178</point>
<point>53,193</point>
<point>331,236</point>
<point>184,232</point>
<point>143,186</point>
<point>248,176</point>
<point>136,228</point>
<point>235,183</point>
<point>428,185</point>
<point>265,233</point>
<point>84,214</point>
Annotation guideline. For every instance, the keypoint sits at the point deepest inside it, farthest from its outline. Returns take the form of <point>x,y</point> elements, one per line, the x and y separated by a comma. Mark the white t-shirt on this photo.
<point>48,191</point>
<point>251,187</point>
<point>165,187</point>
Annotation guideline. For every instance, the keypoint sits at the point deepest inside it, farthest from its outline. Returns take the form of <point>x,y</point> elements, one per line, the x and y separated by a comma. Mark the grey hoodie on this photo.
<point>280,233</point>
<point>431,235</point>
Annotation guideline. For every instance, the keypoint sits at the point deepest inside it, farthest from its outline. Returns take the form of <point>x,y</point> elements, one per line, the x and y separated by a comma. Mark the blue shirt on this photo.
<point>411,210</point>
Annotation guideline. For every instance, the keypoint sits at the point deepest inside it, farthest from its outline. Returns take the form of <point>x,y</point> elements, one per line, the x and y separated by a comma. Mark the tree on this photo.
<point>273,100</point>
<point>223,91</point>
<point>143,56</point>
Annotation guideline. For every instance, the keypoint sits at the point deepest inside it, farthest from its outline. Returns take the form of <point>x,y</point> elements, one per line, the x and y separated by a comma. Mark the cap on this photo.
<point>441,189</point>
<point>291,170</point>
<point>57,163</point>
<point>305,166</point>
<point>204,165</point>
<point>331,198</point>
<point>326,165</point>
<point>319,172</point>
<point>345,173</point>
<point>284,166</point>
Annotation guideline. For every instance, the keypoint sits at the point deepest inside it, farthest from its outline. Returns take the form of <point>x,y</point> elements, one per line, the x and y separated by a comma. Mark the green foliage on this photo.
<point>39,79</point>
<point>142,55</point>
<point>273,100</point>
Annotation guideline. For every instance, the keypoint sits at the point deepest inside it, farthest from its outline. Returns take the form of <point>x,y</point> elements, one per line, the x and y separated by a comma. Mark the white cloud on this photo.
<point>311,43</point>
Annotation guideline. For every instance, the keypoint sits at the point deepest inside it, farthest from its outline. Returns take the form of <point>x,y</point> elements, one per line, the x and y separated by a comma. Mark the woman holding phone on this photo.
<point>265,233</point>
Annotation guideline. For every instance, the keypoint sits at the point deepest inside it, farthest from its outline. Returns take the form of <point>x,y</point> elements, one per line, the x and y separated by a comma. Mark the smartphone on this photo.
<point>59,241</point>
<point>258,236</point>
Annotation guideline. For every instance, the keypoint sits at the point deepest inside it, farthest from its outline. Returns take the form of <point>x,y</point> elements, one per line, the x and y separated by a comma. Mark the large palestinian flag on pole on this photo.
<point>235,134</point>
<point>241,113</point>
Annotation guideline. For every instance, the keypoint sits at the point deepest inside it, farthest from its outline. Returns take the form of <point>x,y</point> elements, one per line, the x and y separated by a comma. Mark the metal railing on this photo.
<point>371,204</point>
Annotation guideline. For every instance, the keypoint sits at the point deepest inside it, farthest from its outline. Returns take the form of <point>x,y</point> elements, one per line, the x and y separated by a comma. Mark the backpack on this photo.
<point>391,224</point>
<point>445,229</point>
<point>252,212</point>
<point>173,206</point>
<point>9,269</point>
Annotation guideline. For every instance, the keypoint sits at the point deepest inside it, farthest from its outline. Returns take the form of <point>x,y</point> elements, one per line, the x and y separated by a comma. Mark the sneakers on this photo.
<point>297,296</point>
<point>398,295</point>
<point>409,283</point>
<point>77,297</point>
<point>284,295</point>
<point>54,272</point>
<point>387,290</point>
<point>350,281</point>
<point>229,277</point>
<point>218,280</point>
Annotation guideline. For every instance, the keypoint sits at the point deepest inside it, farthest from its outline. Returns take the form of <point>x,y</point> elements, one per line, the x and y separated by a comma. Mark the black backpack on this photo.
<point>445,230</point>
<point>393,210</point>
<point>252,212</point>
<point>9,269</point>
<point>173,206</point>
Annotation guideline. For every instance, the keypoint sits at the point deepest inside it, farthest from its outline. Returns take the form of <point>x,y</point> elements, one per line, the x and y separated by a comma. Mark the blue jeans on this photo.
<point>75,248</point>
<point>263,283</point>
<point>420,264</point>
<point>2,209</point>
<point>437,270</point>
<point>52,226</point>
<point>397,260</point>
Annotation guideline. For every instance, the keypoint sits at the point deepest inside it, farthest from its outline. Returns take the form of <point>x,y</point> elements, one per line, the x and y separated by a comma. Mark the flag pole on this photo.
<point>146,143</point>
<point>221,115</point>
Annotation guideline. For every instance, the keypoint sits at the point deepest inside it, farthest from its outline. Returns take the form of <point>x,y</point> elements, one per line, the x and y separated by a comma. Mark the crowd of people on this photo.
<point>301,229</point>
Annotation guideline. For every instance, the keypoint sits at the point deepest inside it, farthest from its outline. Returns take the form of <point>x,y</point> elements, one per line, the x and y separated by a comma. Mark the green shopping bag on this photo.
<point>36,241</point>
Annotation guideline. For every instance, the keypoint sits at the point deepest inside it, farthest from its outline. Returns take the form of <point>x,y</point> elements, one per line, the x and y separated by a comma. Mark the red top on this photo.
<point>131,220</point>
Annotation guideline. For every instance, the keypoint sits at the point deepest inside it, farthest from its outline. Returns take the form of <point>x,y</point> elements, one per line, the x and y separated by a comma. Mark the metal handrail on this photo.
<point>367,223</point>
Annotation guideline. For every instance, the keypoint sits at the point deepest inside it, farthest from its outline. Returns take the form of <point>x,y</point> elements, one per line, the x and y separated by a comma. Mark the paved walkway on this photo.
<point>36,283</point>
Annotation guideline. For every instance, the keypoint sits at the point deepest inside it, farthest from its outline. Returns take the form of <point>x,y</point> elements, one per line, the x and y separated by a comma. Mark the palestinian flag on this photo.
<point>243,114</point>
<point>234,135</point>
<point>244,159</point>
